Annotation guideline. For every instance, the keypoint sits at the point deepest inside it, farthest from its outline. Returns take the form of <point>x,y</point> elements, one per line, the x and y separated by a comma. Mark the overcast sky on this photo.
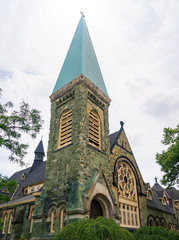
<point>137,46</point>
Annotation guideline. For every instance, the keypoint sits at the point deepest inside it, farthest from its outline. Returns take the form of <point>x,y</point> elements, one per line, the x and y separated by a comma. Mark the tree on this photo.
<point>169,159</point>
<point>8,185</point>
<point>93,229</point>
<point>155,233</point>
<point>13,124</point>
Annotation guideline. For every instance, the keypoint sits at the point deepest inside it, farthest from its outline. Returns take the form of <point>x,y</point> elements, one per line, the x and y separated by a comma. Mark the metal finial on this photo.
<point>82,14</point>
<point>122,123</point>
<point>156,179</point>
<point>41,137</point>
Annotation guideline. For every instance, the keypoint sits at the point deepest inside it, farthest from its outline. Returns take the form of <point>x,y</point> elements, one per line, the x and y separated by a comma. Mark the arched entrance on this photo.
<point>95,209</point>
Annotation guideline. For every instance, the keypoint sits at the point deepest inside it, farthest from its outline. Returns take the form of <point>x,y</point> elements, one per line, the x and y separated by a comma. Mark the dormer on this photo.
<point>23,176</point>
<point>164,199</point>
<point>149,192</point>
<point>5,190</point>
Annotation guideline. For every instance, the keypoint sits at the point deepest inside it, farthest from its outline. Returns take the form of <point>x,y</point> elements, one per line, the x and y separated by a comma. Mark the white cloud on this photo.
<point>136,43</point>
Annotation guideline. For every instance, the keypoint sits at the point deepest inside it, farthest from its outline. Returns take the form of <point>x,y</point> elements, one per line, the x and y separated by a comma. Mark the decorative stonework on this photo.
<point>76,81</point>
<point>95,100</point>
<point>126,181</point>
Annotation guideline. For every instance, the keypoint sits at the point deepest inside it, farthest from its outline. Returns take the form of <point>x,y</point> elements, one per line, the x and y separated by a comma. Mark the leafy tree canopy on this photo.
<point>7,185</point>
<point>93,229</point>
<point>155,233</point>
<point>169,159</point>
<point>13,123</point>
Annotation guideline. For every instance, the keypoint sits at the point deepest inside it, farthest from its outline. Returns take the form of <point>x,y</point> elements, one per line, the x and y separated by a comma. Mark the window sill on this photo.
<point>60,148</point>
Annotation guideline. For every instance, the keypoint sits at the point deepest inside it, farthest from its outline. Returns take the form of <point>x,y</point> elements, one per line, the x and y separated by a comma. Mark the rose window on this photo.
<point>126,182</point>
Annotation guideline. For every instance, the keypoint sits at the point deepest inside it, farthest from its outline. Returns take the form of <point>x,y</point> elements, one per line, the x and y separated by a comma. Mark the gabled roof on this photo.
<point>81,59</point>
<point>156,204</point>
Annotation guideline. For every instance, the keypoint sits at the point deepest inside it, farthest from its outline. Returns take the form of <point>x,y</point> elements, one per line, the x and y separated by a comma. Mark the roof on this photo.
<point>81,59</point>
<point>173,193</point>
<point>112,139</point>
<point>157,187</point>
<point>24,199</point>
<point>156,204</point>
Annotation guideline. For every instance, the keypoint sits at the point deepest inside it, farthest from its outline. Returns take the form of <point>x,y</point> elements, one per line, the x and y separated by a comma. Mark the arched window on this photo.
<point>4,223</point>
<point>94,129</point>
<point>52,218</point>
<point>62,216</point>
<point>163,223</point>
<point>150,221</point>
<point>65,133</point>
<point>127,193</point>
<point>10,222</point>
<point>157,222</point>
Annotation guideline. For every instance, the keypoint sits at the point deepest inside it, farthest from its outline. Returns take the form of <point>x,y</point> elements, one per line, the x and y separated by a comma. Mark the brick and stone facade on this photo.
<point>81,177</point>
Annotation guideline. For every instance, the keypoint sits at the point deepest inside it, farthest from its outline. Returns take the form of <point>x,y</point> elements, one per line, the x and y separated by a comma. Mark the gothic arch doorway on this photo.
<point>95,209</point>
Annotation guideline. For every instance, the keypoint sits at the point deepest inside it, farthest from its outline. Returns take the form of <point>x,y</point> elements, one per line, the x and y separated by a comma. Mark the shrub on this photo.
<point>91,229</point>
<point>155,233</point>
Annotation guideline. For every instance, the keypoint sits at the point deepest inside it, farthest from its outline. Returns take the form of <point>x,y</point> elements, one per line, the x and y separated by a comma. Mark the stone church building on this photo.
<point>88,172</point>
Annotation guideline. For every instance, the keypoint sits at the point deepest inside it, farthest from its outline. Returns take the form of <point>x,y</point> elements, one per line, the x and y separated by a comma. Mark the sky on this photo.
<point>137,46</point>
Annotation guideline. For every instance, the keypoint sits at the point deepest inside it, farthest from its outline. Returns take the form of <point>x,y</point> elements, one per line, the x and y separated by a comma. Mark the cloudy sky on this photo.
<point>137,46</point>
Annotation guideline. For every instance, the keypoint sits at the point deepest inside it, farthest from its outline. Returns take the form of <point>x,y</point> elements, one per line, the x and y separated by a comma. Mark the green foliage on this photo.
<point>93,229</point>
<point>10,185</point>
<point>12,124</point>
<point>169,159</point>
<point>155,233</point>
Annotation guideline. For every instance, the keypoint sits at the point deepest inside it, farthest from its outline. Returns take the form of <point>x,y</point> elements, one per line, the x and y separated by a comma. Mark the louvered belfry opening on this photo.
<point>65,133</point>
<point>94,129</point>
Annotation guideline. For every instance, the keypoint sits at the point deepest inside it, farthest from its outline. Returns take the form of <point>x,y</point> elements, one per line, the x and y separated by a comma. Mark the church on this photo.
<point>87,172</point>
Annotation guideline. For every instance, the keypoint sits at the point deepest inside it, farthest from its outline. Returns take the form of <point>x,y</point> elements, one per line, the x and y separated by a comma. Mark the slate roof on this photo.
<point>112,139</point>
<point>81,59</point>
<point>173,193</point>
<point>34,177</point>
<point>160,190</point>
<point>25,198</point>
<point>157,187</point>
<point>156,204</point>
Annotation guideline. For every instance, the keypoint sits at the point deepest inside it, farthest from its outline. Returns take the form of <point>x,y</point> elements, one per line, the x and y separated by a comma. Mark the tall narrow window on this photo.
<point>10,222</point>
<point>4,223</point>
<point>52,225</point>
<point>31,220</point>
<point>65,134</point>
<point>62,215</point>
<point>127,194</point>
<point>94,129</point>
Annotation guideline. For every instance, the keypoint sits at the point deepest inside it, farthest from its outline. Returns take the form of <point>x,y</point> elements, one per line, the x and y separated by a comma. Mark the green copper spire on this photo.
<point>81,59</point>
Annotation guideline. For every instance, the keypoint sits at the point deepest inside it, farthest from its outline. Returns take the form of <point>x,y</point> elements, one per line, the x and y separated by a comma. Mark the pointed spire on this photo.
<point>40,148</point>
<point>39,155</point>
<point>81,59</point>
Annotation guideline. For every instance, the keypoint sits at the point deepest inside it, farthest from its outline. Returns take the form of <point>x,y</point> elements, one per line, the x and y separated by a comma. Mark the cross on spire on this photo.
<point>156,179</point>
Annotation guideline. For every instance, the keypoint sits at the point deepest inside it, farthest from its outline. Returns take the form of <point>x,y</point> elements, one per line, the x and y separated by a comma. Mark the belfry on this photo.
<point>87,172</point>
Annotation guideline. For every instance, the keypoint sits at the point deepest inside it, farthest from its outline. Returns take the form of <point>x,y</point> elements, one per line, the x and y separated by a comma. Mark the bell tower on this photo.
<point>78,140</point>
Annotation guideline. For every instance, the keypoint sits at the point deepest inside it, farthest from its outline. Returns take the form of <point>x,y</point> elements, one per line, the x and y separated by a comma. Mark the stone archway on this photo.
<point>100,206</point>
<point>95,209</point>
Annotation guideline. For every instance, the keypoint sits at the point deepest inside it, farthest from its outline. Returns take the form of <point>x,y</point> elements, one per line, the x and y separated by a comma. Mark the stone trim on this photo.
<point>76,81</point>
